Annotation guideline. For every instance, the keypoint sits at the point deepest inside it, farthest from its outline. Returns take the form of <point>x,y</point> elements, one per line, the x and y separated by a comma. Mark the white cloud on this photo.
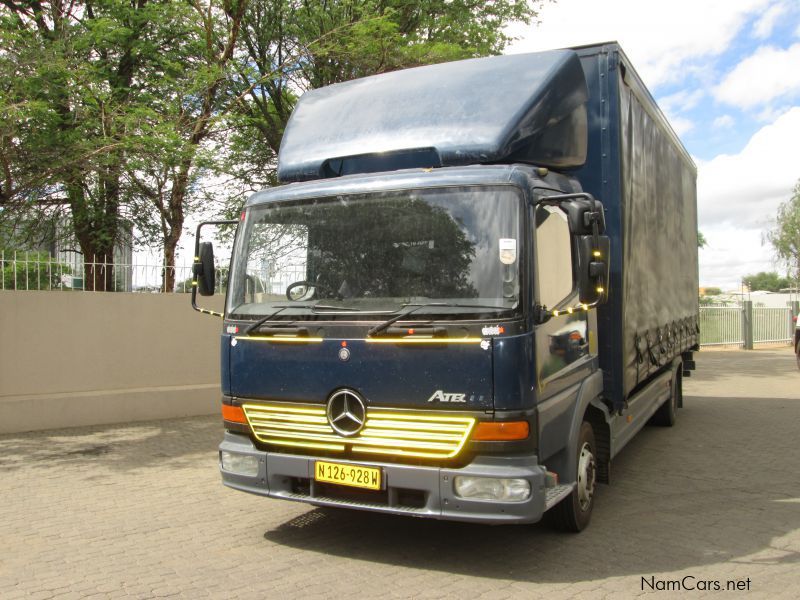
<point>771,112</point>
<point>723,122</point>
<point>766,23</point>
<point>665,40</point>
<point>732,253</point>
<point>738,196</point>
<point>680,101</point>
<point>768,74</point>
<point>681,125</point>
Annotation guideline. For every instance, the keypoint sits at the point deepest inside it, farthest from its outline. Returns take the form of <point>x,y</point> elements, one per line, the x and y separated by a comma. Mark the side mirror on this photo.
<point>204,269</point>
<point>594,268</point>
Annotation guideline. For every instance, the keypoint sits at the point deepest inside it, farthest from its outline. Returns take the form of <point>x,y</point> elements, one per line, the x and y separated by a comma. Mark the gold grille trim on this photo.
<point>386,431</point>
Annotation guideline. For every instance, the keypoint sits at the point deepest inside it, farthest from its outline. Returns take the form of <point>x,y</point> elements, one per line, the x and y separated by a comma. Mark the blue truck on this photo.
<point>477,282</point>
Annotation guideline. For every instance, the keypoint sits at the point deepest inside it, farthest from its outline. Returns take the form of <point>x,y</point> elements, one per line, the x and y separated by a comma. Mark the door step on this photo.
<point>556,494</point>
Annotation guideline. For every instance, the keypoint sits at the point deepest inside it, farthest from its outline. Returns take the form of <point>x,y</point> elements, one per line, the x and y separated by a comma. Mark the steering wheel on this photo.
<point>305,290</point>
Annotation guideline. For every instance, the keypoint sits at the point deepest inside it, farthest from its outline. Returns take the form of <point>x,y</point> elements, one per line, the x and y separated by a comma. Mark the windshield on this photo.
<point>457,249</point>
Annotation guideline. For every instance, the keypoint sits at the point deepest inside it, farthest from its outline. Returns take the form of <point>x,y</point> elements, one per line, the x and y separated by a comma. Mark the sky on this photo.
<point>727,75</point>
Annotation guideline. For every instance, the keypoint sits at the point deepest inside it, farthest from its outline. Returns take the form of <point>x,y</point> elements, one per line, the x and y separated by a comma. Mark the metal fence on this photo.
<point>729,326</point>
<point>720,326</point>
<point>772,325</point>
<point>40,271</point>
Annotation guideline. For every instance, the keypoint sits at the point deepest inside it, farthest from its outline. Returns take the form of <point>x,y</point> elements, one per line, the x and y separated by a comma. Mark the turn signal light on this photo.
<point>501,431</point>
<point>235,414</point>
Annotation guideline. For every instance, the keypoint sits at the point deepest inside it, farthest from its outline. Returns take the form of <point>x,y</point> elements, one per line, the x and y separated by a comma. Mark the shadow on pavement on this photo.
<point>119,447</point>
<point>680,498</point>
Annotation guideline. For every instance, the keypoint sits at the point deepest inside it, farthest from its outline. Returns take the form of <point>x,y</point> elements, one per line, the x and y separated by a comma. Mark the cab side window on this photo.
<point>563,339</point>
<point>554,273</point>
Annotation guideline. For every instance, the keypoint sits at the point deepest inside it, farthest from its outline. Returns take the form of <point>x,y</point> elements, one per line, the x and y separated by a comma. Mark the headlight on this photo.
<point>241,464</point>
<point>492,488</point>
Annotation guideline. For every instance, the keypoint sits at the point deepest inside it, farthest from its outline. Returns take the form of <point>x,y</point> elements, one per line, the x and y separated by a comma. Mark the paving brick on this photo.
<point>138,511</point>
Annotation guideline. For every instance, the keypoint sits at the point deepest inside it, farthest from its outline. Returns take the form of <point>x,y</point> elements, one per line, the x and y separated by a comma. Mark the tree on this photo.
<point>115,109</point>
<point>770,282</point>
<point>701,240</point>
<point>74,100</point>
<point>291,46</point>
<point>785,237</point>
<point>188,103</point>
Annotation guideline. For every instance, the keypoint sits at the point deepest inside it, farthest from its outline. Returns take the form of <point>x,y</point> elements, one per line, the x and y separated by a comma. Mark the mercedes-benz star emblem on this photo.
<point>346,412</point>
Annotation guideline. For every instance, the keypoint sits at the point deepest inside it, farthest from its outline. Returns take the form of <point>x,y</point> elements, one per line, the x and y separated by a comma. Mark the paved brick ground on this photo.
<point>138,510</point>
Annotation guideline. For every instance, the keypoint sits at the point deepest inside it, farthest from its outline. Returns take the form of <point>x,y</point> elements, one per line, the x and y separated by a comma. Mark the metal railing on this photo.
<point>27,271</point>
<point>721,326</point>
<point>772,325</point>
<point>731,326</point>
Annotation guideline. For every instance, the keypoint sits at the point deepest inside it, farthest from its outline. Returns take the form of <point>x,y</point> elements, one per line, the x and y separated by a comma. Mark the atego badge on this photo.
<point>442,396</point>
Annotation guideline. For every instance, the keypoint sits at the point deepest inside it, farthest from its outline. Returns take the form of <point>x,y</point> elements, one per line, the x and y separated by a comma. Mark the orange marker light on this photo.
<point>410,332</point>
<point>234,414</point>
<point>489,431</point>
<point>344,344</point>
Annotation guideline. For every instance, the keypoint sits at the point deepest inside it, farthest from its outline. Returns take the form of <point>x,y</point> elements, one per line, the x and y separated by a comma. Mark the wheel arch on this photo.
<point>588,407</point>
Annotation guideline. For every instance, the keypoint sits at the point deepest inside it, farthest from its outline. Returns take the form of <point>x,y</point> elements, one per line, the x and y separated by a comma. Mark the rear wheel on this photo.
<point>667,413</point>
<point>575,511</point>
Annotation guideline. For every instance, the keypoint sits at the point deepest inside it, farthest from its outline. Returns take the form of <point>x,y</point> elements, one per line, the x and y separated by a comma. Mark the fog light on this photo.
<point>241,464</point>
<point>492,488</point>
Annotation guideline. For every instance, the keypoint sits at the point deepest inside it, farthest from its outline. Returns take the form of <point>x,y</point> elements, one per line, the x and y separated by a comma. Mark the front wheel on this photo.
<point>575,511</point>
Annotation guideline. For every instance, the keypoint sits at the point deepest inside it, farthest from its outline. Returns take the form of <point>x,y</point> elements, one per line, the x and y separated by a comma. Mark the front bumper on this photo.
<point>409,489</point>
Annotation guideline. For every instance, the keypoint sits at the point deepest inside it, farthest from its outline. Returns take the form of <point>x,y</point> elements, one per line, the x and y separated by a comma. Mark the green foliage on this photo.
<point>117,110</point>
<point>770,282</point>
<point>712,291</point>
<point>701,240</point>
<point>785,237</point>
<point>290,47</point>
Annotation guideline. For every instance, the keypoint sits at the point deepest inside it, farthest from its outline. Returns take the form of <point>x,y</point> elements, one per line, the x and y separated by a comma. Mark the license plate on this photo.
<point>353,475</point>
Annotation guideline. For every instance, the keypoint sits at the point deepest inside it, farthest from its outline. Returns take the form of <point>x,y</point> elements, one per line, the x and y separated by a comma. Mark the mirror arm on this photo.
<point>197,265</point>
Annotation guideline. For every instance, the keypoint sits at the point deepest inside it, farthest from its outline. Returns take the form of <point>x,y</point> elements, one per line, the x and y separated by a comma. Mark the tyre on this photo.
<point>797,354</point>
<point>667,413</point>
<point>575,511</point>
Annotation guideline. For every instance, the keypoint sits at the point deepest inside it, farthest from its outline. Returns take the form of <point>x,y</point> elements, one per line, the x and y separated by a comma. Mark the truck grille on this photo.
<point>386,431</point>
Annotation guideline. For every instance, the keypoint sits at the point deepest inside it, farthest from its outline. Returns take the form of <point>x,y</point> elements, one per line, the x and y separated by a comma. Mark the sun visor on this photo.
<point>518,108</point>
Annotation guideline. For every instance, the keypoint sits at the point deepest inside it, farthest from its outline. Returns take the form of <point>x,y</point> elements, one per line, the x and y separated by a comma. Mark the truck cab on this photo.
<point>422,320</point>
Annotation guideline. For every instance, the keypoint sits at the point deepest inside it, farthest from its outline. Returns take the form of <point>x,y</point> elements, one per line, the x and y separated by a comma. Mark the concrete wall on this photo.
<point>84,358</point>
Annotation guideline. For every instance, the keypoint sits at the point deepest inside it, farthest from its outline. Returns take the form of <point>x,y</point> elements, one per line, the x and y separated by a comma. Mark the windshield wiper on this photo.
<point>252,327</point>
<point>387,323</point>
